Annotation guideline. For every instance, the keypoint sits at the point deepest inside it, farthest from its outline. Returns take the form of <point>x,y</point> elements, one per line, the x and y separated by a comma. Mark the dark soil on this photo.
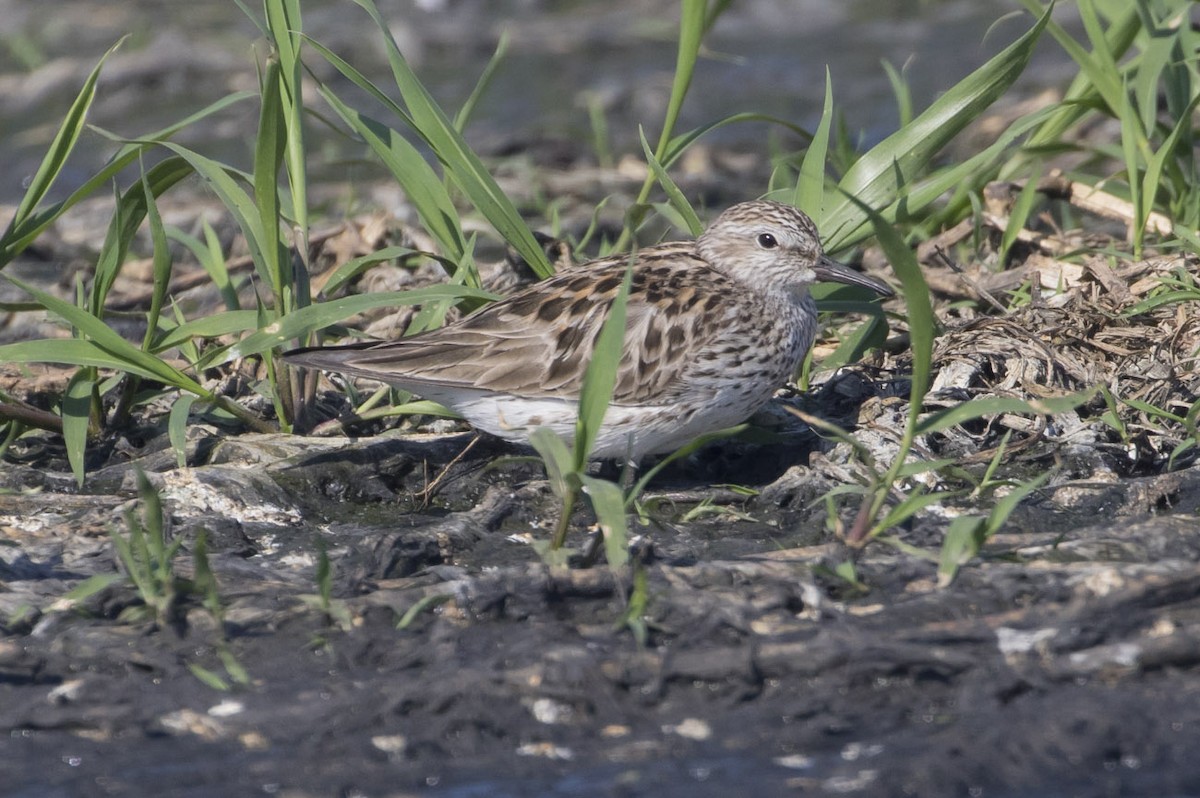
<point>1063,663</point>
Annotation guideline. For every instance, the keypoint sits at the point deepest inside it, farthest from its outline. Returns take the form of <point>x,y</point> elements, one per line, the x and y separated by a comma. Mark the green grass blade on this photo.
<point>912,504</point>
<point>21,234</point>
<point>692,19</point>
<point>1017,219</point>
<point>996,405</point>
<point>692,25</point>
<point>70,352</point>
<point>1181,132</point>
<point>1005,505</point>
<point>674,195</point>
<point>974,171</point>
<point>125,355</point>
<point>555,456</point>
<point>609,506</point>
<point>901,91</point>
<point>962,542</point>
<point>285,24</point>
<point>272,262</point>
<point>462,164</point>
<point>61,147</point>
<point>301,322</point>
<point>877,176</point>
<point>356,266</point>
<point>601,376</point>
<point>485,79</point>
<point>1132,137</point>
<point>871,334</point>
<point>207,677</point>
<point>126,221</point>
<point>208,327</point>
<point>76,418</point>
<point>177,427</point>
<point>921,322</point>
<point>421,184</point>
<point>162,264</point>
<point>679,144</point>
<point>240,204</point>
<point>809,195</point>
<point>211,257</point>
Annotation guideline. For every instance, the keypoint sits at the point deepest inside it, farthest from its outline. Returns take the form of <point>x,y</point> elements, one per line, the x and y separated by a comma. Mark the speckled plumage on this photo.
<point>714,326</point>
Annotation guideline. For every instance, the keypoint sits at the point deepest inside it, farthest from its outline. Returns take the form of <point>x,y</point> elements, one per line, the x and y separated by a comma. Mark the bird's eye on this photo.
<point>767,241</point>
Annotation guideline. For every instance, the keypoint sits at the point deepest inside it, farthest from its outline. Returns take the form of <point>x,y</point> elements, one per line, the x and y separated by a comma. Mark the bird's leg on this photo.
<point>628,474</point>
<point>432,487</point>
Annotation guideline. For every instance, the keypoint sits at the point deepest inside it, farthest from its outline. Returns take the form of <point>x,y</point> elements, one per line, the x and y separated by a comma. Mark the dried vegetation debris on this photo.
<point>1045,327</point>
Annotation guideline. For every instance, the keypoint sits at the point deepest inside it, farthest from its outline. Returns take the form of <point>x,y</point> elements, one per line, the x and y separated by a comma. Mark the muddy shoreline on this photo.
<point>1062,663</point>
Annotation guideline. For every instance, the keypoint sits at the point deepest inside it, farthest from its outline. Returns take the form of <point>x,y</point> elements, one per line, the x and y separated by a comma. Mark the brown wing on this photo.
<point>538,342</point>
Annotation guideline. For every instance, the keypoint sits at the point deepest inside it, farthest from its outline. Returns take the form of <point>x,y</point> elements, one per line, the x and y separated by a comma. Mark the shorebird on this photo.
<point>714,327</point>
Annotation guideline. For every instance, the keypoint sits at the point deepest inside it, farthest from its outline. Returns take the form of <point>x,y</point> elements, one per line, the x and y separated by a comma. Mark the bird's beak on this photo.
<point>829,270</point>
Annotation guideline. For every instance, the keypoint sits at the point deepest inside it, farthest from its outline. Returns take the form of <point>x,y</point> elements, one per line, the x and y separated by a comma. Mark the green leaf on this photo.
<point>21,234</point>
<point>871,334</point>
<point>285,25</point>
<point>809,194</point>
<point>356,266</point>
<point>674,195</point>
<point>992,406</point>
<point>680,143</point>
<point>962,542</point>
<point>555,456</point>
<point>1005,505</point>
<point>462,165</point>
<point>123,354</point>
<point>69,352</point>
<point>421,184</point>
<point>275,265</point>
<point>221,179</point>
<point>131,210</point>
<point>90,587</point>
<point>481,85</point>
<point>226,322</point>
<point>76,415</point>
<point>1021,210</point>
<point>921,322</point>
<point>600,378</point>
<point>60,148</point>
<point>692,18</point>
<point>162,263</point>
<point>177,427</point>
<point>609,505</point>
<point>877,176</point>
<point>314,317</point>
<point>207,677</point>
<point>212,258</point>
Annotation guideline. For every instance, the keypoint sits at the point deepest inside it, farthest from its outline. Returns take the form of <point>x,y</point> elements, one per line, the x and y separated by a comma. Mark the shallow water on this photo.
<point>763,55</point>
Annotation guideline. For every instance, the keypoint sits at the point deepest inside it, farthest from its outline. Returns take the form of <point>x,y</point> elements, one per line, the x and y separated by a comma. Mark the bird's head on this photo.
<point>767,243</point>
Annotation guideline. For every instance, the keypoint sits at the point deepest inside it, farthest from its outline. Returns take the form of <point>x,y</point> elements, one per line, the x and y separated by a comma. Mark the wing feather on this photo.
<point>537,343</point>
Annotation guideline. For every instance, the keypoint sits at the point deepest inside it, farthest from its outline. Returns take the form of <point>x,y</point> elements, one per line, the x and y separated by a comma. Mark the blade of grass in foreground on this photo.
<point>600,379</point>
<point>921,324</point>
<point>595,395</point>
